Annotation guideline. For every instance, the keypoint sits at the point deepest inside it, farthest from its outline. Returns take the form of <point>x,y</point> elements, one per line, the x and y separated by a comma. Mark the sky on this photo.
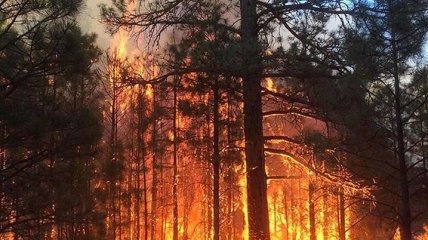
<point>90,22</point>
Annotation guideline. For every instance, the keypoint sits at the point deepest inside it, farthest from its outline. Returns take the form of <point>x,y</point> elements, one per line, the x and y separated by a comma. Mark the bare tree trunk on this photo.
<point>231,178</point>
<point>230,207</point>
<point>2,160</point>
<point>113,143</point>
<point>326,224</point>
<point>146,213</point>
<point>425,165</point>
<point>406,227</point>
<point>133,194</point>
<point>301,204</point>
<point>175,164</point>
<point>293,217</point>
<point>154,170</point>
<point>312,226</point>
<point>208,182</point>
<point>138,150</point>
<point>119,202</point>
<point>258,216</point>
<point>138,201</point>
<point>287,215</point>
<point>163,193</point>
<point>216,162</point>
<point>342,215</point>
<point>143,159</point>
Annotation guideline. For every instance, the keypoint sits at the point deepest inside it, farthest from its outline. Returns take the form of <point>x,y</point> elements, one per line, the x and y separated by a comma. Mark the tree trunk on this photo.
<point>231,178</point>
<point>425,165</point>
<point>312,212</point>
<point>341,214</point>
<point>143,158</point>
<point>113,156</point>
<point>287,218</point>
<point>326,214</point>
<point>162,199</point>
<point>258,218</point>
<point>208,211</point>
<point>146,213</point>
<point>406,228</point>
<point>216,162</point>
<point>2,159</point>
<point>154,171</point>
<point>175,165</point>
<point>138,153</point>
<point>230,206</point>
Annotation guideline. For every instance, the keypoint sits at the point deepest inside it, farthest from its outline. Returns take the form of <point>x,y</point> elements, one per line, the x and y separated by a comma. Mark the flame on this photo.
<point>397,234</point>
<point>120,40</point>
<point>288,197</point>
<point>424,235</point>
<point>243,186</point>
<point>120,43</point>
<point>170,136</point>
<point>149,91</point>
<point>270,85</point>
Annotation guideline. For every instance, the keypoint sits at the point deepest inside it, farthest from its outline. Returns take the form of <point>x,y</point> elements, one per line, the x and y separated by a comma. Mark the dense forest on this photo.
<point>214,119</point>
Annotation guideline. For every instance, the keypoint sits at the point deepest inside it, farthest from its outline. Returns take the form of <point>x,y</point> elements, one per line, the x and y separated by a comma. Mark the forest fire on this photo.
<point>302,205</point>
<point>214,120</point>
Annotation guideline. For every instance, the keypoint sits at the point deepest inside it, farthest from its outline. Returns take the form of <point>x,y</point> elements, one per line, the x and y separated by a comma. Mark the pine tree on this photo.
<point>395,35</point>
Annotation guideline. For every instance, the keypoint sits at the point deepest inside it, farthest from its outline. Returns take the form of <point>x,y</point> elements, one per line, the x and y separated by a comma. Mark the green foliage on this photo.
<point>49,110</point>
<point>316,141</point>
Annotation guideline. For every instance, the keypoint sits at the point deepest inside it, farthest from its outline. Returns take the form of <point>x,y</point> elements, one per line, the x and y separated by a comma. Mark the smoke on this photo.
<point>90,22</point>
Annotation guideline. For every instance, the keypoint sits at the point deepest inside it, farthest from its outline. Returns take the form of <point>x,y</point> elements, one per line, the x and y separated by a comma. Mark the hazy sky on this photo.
<point>90,22</point>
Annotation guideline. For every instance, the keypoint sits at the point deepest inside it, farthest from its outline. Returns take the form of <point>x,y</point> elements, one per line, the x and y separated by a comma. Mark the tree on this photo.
<point>23,25</point>
<point>206,48</point>
<point>395,33</point>
<point>51,130</point>
<point>258,20</point>
<point>258,217</point>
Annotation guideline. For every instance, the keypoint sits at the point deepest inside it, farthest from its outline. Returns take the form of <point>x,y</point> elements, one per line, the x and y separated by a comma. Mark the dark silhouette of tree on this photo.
<point>50,117</point>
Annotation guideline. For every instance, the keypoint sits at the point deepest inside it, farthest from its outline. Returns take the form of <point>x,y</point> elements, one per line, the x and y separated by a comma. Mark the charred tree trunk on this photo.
<point>405,218</point>
<point>230,207</point>
<point>312,212</point>
<point>287,215</point>
<point>175,163</point>
<point>216,161</point>
<point>258,218</point>
<point>326,224</point>
<point>162,191</point>
<point>154,171</point>
<point>119,209</point>
<point>144,170</point>
<point>231,178</point>
<point>138,158</point>
<point>425,164</point>
<point>146,213</point>
<point>341,215</point>
<point>208,181</point>
<point>113,156</point>
<point>162,198</point>
<point>2,159</point>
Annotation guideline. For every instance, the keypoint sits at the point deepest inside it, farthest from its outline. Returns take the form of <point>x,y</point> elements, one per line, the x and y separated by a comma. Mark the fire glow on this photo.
<point>295,198</point>
<point>303,205</point>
